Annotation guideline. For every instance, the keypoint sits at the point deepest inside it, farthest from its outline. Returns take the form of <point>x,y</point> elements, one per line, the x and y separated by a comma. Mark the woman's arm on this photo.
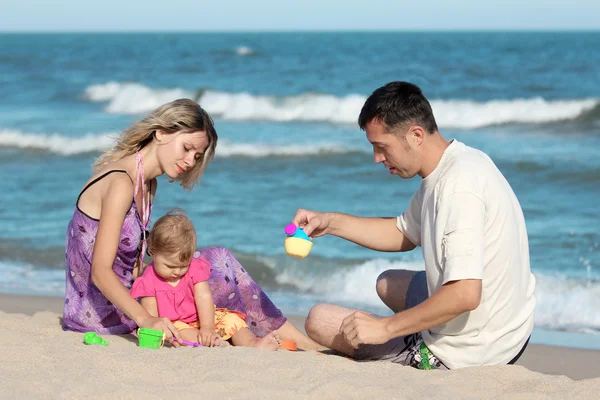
<point>116,201</point>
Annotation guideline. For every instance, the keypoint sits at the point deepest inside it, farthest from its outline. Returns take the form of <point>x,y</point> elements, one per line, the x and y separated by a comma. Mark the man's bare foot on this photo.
<point>269,342</point>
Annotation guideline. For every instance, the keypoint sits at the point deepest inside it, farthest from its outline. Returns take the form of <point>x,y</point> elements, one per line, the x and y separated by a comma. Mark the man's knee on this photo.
<point>314,319</point>
<point>392,287</point>
<point>393,278</point>
<point>322,317</point>
<point>383,283</point>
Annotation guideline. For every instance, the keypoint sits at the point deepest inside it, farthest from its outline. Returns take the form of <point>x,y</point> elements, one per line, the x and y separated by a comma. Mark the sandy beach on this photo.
<point>40,360</point>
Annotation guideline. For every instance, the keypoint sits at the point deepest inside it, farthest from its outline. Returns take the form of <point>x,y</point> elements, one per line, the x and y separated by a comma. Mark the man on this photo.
<point>474,303</point>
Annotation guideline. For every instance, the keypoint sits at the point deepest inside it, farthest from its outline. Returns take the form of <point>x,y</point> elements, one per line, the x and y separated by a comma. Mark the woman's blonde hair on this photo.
<point>172,234</point>
<point>182,115</point>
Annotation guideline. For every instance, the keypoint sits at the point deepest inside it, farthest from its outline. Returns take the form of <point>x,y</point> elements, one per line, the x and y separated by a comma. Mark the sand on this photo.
<point>40,360</point>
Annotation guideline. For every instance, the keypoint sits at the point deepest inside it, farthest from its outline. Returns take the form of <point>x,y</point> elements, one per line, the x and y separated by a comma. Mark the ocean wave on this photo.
<point>135,98</point>
<point>258,150</point>
<point>56,143</point>
<point>132,98</point>
<point>244,51</point>
<point>95,143</point>
<point>562,303</point>
<point>567,304</point>
<point>26,278</point>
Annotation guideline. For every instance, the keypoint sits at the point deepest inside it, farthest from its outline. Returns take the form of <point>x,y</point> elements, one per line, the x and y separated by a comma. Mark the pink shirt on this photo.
<point>174,302</point>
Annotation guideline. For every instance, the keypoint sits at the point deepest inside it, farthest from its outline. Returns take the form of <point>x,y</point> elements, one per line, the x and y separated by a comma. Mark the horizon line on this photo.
<point>251,31</point>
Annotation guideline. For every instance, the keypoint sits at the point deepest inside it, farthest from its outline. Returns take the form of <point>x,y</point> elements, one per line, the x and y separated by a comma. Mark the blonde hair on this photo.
<point>172,234</point>
<point>178,116</point>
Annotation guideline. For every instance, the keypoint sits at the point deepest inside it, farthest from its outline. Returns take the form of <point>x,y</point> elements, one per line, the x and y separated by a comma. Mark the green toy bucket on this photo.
<point>150,338</point>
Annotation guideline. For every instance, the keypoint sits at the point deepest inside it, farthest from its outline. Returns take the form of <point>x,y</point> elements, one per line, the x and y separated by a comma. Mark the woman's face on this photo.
<point>178,152</point>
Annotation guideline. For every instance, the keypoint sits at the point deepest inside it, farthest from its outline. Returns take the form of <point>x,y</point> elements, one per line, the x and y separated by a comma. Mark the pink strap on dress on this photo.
<point>139,173</point>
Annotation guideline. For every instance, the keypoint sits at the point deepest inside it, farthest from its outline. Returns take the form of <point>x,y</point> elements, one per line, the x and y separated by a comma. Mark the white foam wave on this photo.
<point>64,145</point>
<point>355,285</point>
<point>306,107</point>
<point>567,304</point>
<point>469,114</point>
<point>134,98</point>
<point>562,303</point>
<point>257,150</point>
<point>57,143</point>
<point>244,51</point>
<point>25,278</point>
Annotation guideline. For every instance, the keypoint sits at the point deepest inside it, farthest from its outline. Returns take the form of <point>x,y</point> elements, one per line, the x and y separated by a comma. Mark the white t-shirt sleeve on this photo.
<point>460,225</point>
<point>409,222</point>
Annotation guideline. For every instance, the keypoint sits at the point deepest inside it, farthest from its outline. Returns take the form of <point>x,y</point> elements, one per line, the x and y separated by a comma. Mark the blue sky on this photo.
<point>261,15</point>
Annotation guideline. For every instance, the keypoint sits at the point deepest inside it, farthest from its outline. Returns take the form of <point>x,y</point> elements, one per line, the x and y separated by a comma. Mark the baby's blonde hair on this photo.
<point>182,115</point>
<point>173,234</point>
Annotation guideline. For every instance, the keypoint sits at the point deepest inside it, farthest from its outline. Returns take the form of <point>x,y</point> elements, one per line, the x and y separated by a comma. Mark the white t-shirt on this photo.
<point>469,224</point>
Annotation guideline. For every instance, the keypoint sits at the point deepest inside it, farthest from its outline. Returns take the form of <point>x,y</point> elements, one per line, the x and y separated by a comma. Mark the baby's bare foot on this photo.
<point>270,342</point>
<point>221,343</point>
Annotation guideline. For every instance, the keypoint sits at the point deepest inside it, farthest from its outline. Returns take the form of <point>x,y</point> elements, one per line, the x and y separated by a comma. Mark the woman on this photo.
<point>106,237</point>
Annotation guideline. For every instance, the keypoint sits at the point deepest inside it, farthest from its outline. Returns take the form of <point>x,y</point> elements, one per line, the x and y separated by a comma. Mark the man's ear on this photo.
<point>416,133</point>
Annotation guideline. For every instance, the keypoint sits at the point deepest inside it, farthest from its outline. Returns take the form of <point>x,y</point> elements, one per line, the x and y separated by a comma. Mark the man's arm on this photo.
<point>379,234</point>
<point>453,299</point>
<point>461,216</point>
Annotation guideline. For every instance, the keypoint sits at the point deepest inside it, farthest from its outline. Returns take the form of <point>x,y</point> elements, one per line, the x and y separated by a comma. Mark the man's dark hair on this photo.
<point>396,104</point>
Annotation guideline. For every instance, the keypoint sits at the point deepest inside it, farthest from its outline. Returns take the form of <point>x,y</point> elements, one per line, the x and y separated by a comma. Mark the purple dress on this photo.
<point>233,288</point>
<point>87,309</point>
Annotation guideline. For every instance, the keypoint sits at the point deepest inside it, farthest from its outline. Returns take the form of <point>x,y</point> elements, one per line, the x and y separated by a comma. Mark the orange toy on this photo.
<point>288,345</point>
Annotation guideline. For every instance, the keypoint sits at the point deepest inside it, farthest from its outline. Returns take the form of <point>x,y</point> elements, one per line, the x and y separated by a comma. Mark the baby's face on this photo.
<point>169,267</point>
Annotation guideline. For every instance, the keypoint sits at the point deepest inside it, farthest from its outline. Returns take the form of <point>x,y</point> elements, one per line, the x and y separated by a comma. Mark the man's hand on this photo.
<point>207,336</point>
<point>314,223</point>
<point>363,328</point>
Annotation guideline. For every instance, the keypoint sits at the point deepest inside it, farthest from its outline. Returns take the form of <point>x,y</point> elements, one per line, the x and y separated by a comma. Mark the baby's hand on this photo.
<point>207,336</point>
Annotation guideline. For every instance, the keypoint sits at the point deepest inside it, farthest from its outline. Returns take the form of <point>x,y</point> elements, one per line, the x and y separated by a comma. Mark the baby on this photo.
<point>175,286</point>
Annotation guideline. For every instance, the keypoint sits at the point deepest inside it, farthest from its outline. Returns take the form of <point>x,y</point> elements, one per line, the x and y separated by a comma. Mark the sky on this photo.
<point>300,15</point>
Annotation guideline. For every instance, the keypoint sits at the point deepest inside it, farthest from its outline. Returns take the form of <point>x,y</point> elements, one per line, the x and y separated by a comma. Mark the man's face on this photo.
<point>395,150</point>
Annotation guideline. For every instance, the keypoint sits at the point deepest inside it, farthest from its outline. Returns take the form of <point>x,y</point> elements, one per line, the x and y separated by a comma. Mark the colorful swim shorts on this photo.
<point>227,323</point>
<point>408,350</point>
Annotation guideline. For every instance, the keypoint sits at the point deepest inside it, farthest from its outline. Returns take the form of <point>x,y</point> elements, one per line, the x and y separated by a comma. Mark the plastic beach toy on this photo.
<point>93,338</point>
<point>188,343</point>
<point>297,243</point>
<point>288,345</point>
<point>150,338</point>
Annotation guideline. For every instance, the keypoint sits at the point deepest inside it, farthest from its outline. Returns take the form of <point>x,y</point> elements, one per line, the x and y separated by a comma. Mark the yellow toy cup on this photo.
<point>297,243</point>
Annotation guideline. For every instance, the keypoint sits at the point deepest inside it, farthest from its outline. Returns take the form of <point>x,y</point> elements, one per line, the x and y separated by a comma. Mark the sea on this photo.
<point>285,105</point>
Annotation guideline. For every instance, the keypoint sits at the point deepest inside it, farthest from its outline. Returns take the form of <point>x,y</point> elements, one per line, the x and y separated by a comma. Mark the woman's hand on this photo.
<point>207,336</point>
<point>162,324</point>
